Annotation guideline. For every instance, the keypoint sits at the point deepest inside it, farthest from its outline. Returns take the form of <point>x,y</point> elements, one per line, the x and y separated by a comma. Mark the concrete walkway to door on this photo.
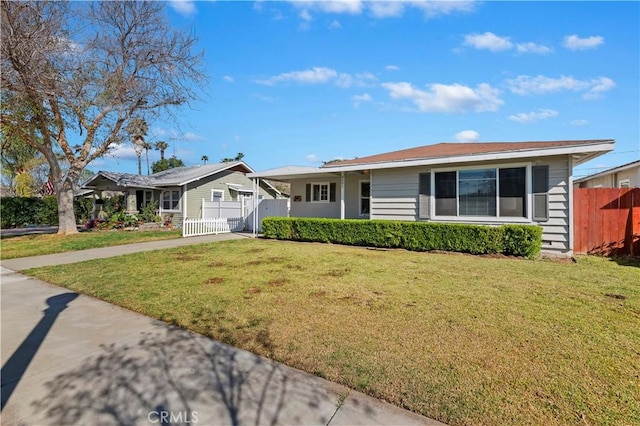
<point>70,359</point>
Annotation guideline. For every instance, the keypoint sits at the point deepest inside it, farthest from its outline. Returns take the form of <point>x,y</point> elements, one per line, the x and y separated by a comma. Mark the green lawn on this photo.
<point>35,245</point>
<point>464,339</point>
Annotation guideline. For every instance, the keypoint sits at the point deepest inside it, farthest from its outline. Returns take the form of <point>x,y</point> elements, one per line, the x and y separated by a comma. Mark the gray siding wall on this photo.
<point>303,208</point>
<point>555,234</point>
<point>395,194</point>
<point>202,189</point>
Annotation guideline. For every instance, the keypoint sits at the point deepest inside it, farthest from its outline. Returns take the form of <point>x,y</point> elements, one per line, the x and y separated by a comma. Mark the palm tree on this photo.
<point>147,147</point>
<point>161,146</point>
<point>137,129</point>
<point>204,159</point>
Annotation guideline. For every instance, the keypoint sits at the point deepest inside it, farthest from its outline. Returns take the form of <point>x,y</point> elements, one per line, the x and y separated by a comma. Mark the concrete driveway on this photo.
<point>69,359</point>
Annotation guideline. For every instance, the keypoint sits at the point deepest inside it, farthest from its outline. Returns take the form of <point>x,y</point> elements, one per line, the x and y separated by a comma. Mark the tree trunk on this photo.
<point>66,215</point>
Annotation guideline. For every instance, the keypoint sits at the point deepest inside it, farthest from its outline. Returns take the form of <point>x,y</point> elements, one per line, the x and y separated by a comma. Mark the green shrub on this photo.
<point>517,240</point>
<point>148,213</point>
<point>21,211</point>
<point>522,240</point>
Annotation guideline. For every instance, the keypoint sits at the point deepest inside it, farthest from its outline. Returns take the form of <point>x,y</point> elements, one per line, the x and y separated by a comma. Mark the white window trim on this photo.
<point>360,197</point>
<point>623,182</point>
<point>483,219</point>
<point>171,191</point>
<point>218,191</point>
<point>328,192</point>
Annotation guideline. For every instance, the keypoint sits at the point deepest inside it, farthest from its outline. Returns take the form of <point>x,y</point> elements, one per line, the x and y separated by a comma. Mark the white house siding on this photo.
<point>202,189</point>
<point>555,232</point>
<point>303,208</point>
<point>395,192</point>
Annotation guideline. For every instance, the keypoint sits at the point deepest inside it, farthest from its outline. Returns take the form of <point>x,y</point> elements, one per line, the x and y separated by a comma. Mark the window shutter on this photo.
<point>540,176</point>
<point>332,192</point>
<point>424,195</point>
<point>308,193</point>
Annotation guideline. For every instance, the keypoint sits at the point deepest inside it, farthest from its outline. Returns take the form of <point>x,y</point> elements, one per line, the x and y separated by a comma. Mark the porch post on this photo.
<point>131,202</point>
<point>341,195</point>
<point>184,201</point>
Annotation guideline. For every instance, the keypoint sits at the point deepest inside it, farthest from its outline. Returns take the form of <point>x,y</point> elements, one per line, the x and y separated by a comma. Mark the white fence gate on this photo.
<point>266,208</point>
<point>233,216</point>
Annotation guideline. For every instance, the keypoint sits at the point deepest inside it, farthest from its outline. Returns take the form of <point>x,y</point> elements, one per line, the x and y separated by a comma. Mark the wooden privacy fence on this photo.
<point>606,221</point>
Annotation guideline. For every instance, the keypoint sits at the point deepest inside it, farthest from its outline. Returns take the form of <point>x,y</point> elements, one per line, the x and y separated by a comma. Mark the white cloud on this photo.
<point>530,117</point>
<point>335,25</point>
<point>316,75</point>
<point>322,75</point>
<point>183,7</point>
<point>313,158</point>
<point>488,41</point>
<point>528,85</point>
<point>228,79</point>
<point>447,98</point>
<point>392,68</point>
<point>579,122</point>
<point>264,98</point>
<point>385,9</point>
<point>346,80</point>
<point>533,48</point>
<point>305,15</point>
<point>358,99</point>
<point>123,152</point>
<point>190,136</point>
<point>467,136</point>
<point>573,42</point>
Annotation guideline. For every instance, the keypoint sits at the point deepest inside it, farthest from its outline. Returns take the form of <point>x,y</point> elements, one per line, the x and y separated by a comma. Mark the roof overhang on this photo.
<point>609,171</point>
<point>94,182</point>
<point>580,153</point>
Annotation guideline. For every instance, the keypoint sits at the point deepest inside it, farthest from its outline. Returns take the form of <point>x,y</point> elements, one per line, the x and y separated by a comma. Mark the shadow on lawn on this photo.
<point>189,377</point>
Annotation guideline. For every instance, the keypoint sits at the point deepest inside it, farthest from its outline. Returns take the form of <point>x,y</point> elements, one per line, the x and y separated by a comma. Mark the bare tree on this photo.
<point>75,74</point>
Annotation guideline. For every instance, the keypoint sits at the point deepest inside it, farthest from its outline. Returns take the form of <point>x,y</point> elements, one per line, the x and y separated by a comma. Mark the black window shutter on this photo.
<point>332,192</point>
<point>424,195</point>
<point>308,193</point>
<point>540,177</point>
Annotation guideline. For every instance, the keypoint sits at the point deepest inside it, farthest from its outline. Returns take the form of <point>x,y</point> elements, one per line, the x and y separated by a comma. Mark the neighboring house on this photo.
<point>625,176</point>
<point>180,190</point>
<point>481,183</point>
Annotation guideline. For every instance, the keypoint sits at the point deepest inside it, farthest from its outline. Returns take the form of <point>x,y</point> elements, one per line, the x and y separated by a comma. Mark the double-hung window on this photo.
<point>170,200</point>
<point>217,195</point>
<point>320,192</point>
<point>484,192</point>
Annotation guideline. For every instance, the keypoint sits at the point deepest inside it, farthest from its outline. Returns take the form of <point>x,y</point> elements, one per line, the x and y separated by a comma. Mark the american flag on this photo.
<point>49,188</point>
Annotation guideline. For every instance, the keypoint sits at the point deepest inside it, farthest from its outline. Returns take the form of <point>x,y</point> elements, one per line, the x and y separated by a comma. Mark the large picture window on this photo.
<point>170,200</point>
<point>488,192</point>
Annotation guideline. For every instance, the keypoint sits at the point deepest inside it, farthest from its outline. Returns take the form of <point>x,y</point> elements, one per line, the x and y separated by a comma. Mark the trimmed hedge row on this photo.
<point>515,240</point>
<point>21,211</point>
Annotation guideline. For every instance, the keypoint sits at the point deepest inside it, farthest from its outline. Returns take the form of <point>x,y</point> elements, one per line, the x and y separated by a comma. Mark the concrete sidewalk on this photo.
<point>20,264</point>
<point>70,359</point>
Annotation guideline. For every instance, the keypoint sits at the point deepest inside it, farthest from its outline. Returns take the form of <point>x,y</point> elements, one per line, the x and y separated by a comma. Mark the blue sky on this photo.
<point>297,83</point>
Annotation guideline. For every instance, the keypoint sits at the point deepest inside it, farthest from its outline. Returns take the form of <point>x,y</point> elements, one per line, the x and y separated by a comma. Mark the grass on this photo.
<point>35,245</point>
<point>464,339</point>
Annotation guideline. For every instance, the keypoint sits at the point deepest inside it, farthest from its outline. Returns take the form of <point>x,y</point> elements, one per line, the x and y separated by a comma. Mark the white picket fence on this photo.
<point>193,227</point>
<point>232,216</point>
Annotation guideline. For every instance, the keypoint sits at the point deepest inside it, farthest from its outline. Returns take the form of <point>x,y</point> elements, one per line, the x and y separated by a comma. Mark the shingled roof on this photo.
<point>448,149</point>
